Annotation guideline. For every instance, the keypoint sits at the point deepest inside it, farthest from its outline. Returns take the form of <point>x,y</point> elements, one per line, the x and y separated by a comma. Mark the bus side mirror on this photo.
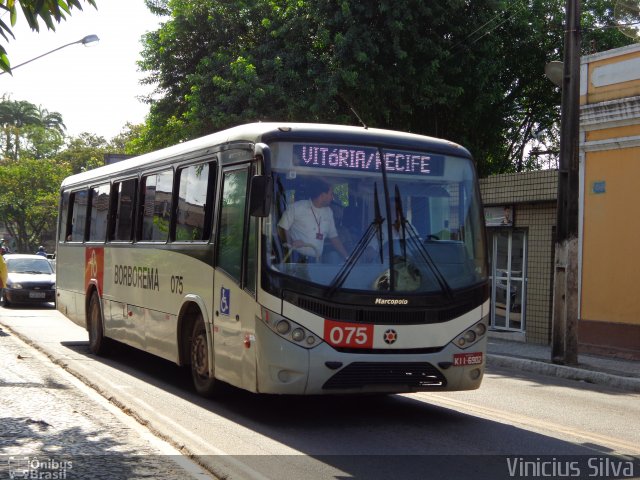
<point>261,194</point>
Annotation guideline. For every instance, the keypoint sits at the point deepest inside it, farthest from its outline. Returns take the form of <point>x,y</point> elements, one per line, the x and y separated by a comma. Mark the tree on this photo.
<point>34,167</point>
<point>29,199</point>
<point>51,120</point>
<point>126,140</point>
<point>28,129</point>
<point>532,37</point>
<point>46,136</point>
<point>49,11</point>
<point>471,72</point>
<point>84,152</point>
<point>14,115</point>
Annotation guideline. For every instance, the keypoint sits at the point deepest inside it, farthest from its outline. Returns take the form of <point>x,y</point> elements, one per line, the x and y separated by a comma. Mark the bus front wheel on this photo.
<point>203,380</point>
<point>98,343</point>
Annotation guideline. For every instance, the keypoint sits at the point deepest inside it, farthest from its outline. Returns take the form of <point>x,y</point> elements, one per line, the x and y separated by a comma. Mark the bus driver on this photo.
<point>307,223</point>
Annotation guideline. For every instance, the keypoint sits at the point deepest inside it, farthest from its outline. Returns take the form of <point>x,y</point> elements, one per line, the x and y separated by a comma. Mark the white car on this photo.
<point>31,279</point>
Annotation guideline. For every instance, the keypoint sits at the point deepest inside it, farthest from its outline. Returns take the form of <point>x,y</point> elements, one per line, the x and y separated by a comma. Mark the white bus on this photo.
<point>179,253</point>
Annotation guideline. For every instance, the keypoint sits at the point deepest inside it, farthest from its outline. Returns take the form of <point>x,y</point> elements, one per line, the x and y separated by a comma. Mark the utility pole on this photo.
<point>564,345</point>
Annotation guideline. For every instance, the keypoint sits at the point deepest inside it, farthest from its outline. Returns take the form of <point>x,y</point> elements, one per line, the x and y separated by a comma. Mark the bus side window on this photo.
<point>155,200</point>
<point>195,202</point>
<point>123,206</point>
<point>64,229</point>
<point>98,214</point>
<point>78,216</point>
<point>232,221</point>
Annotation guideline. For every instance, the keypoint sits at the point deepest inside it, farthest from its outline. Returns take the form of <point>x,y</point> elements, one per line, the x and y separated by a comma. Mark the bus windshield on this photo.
<point>374,220</point>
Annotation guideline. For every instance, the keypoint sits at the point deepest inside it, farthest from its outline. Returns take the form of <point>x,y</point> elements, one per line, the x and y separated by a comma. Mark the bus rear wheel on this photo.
<point>98,343</point>
<point>203,379</point>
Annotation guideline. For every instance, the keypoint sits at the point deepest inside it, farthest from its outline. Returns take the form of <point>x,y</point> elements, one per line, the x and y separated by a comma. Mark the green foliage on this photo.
<point>29,130</point>
<point>49,11</point>
<point>35,160</point>
<point>471,72</point>
<point>41,142</point>
<point>83,152</point>
<point>128,135</point>
<point>29,199</point>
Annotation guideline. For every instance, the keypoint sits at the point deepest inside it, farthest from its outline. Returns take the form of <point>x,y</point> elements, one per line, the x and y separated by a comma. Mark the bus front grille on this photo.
<point>379,315</point>
<point>413,375</point>
<point>384,317</point>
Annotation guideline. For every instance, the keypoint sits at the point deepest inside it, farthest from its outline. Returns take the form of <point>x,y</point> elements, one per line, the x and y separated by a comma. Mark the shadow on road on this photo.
<point>366,436</point>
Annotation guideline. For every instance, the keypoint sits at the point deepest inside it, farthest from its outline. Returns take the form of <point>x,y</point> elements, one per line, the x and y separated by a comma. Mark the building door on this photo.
<point>508,279</point>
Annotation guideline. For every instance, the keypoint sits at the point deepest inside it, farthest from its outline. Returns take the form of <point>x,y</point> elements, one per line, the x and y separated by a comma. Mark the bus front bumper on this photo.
<point>285,368</point>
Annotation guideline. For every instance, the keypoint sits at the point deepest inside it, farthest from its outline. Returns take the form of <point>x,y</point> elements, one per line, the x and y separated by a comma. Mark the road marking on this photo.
<point>542,426</point>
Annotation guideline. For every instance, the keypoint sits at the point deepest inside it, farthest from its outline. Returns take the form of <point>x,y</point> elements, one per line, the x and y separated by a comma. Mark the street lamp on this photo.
<point>85,41</point>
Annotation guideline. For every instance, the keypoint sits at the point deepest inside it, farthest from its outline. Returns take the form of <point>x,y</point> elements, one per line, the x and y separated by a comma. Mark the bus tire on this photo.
<point>204,383</point>
<point>98,343</point>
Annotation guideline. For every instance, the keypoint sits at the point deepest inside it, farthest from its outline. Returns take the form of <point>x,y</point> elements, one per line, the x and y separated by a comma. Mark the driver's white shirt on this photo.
<point>303,221</point>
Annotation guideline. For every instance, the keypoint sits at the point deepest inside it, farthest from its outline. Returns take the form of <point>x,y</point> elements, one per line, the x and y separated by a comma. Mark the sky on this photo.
<point>94,88</point>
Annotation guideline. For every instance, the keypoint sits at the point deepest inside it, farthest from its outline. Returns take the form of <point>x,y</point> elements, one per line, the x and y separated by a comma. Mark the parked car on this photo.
<point>31,280</point>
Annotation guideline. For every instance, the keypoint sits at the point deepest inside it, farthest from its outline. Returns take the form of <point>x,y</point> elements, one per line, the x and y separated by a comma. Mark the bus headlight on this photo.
<point>283,327</point>
<point>298,334</point>
<point>290,330</point>
<point>472,335</point>
<point>480,329</point>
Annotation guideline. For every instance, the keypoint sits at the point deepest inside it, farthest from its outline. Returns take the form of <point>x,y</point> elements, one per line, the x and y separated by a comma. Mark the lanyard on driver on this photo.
<point>319,235</point>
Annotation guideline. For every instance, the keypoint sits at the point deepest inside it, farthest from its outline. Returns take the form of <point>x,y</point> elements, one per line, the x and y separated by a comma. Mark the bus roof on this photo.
<point>272,131</point>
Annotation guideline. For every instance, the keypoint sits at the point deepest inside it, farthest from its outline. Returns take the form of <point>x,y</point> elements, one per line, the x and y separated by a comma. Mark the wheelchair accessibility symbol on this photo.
<point>225,304</point>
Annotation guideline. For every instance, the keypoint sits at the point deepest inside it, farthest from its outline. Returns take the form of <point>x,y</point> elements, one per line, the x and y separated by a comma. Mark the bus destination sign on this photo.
<point>367,159</point>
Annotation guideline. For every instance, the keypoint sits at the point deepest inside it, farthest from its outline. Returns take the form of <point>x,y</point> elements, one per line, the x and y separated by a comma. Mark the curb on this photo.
<point>562,371</point>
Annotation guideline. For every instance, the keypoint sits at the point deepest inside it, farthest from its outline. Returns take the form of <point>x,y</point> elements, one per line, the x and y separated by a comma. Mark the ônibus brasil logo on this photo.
<point>391,301</point>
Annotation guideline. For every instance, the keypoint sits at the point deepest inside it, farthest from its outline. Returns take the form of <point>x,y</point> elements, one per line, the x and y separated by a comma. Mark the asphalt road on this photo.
<point>514,418</point>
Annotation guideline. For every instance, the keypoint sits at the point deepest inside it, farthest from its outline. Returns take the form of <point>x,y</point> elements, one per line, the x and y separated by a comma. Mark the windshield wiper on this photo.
<point>401,221</point>
<point>378,218</point>
<point>281,203</point>
<point>375,227</point>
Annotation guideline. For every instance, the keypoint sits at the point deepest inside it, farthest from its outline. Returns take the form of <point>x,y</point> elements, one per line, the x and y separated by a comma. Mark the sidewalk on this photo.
<point>53,426</point>
<point>599,370</point>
